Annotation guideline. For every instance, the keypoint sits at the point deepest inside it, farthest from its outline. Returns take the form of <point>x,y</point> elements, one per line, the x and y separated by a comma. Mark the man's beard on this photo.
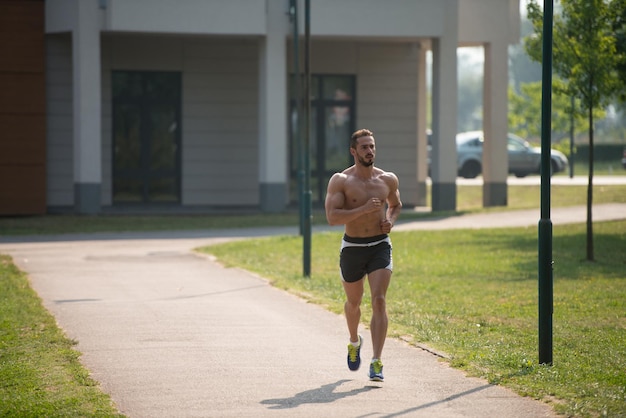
<point>366,163</point>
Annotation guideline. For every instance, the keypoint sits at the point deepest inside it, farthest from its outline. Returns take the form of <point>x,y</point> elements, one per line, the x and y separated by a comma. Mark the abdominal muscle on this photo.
<point>367,225</point>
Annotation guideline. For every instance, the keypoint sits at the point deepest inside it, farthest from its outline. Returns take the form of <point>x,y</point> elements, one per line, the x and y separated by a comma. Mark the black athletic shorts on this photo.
<point>361,256</point>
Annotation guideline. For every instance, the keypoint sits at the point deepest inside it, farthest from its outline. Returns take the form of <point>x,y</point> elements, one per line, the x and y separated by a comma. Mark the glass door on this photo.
<point>146,137</point>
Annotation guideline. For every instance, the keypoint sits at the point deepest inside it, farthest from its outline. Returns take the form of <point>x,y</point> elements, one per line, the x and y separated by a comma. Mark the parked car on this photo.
<point>523,159</point>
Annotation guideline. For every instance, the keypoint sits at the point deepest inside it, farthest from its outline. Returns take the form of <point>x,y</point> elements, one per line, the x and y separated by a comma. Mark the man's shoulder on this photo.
<point>388,177</point>
<point>385,174</point>
<point>338,180</point>
<point>348,172</point>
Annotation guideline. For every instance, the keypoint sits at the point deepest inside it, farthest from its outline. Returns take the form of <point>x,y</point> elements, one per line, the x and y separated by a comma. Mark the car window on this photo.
<point>515,144</point>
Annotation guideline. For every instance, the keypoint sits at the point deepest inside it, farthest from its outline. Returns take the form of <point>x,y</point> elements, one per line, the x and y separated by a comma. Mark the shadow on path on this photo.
<point>323,394</point>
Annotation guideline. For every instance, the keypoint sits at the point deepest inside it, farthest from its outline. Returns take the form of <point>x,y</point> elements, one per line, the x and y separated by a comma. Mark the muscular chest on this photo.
<point>358,191</point>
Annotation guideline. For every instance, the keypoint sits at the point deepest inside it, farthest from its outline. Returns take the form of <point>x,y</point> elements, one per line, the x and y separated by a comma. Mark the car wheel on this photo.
<point>470,170</point>
<point>520,175</point>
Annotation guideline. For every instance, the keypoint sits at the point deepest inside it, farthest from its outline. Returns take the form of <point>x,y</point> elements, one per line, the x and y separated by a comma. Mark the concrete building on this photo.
<point>190,105</point>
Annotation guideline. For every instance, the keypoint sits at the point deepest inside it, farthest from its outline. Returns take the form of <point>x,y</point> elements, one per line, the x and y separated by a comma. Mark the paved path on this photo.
<point>561,180</point>
<point>519,218</point>
<point>169,333</point>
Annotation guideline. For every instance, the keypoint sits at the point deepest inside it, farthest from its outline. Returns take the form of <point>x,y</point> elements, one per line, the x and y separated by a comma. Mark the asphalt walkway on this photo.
<point>169,333</point>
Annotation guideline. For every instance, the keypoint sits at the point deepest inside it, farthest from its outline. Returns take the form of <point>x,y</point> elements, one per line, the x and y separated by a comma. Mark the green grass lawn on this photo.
<point>473,295</point>
<point>40,371</point>
<point>600,168</point>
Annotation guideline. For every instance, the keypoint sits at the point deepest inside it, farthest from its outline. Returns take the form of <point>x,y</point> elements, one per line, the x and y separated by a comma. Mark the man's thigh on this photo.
<point>354,291</point>
<point>379,282</point>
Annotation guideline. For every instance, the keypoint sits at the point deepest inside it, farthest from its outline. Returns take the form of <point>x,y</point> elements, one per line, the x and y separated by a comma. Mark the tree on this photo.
<point>586,59</point>
<point>617,11</point>
<point>525,113</point>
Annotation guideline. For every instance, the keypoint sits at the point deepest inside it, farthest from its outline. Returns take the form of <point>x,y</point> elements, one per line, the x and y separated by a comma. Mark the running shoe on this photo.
<point>376,371</point>
<point>354,355</point>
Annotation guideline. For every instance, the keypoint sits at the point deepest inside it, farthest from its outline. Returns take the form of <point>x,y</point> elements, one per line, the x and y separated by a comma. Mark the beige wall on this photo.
<point>483,21</point>
<point>226,17</point>
<point>220,123</point>
<point>59,121</point>
<point>406,19</point>
<point>387,104</point>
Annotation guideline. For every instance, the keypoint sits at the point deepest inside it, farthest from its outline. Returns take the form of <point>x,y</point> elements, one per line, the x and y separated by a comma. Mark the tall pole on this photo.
<point>545,224</point>
<point>572,131</point>
<point>298,99</point>
<point>306,236</point>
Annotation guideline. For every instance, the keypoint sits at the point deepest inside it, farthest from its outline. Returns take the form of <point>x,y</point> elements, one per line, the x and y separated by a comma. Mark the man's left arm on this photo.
<point>394,204</point>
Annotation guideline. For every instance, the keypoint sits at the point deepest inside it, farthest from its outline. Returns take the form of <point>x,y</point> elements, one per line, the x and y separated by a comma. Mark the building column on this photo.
<point>87,108</point>
<point>273,110</point>
<point>495,124</point>
<point>444,114</point>
<point>422,143</point>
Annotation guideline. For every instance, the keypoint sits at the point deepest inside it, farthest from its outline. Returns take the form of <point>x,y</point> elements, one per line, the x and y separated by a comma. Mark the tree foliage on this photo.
<point>617,16</point>
<point>586,57</point>
<point>525,113</point>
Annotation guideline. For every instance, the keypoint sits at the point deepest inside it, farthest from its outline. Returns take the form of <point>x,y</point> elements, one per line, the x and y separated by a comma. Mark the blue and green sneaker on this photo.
<point>354,355</point>
<point>376,371</point>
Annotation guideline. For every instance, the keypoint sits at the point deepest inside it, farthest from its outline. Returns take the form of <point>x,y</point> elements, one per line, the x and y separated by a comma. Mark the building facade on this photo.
<point>191,105</point>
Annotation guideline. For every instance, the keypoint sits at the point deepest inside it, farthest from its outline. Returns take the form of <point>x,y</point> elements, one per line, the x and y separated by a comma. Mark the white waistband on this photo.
<point>345,244</point>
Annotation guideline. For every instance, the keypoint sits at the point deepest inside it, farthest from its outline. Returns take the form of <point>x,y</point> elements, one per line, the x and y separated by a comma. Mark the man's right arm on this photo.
<point>336,214</point>
<point>335,199</point>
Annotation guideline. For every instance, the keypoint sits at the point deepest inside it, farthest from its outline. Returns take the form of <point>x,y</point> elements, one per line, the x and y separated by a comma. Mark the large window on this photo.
<point>332,123</point>
<point>146,137</point>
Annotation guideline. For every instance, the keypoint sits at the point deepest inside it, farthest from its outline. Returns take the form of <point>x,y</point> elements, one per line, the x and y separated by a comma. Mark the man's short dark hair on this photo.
<point>358,134</point>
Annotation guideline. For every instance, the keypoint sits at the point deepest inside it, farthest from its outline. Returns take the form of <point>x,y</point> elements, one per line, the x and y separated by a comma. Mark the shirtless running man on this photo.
<point>366,200</point>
